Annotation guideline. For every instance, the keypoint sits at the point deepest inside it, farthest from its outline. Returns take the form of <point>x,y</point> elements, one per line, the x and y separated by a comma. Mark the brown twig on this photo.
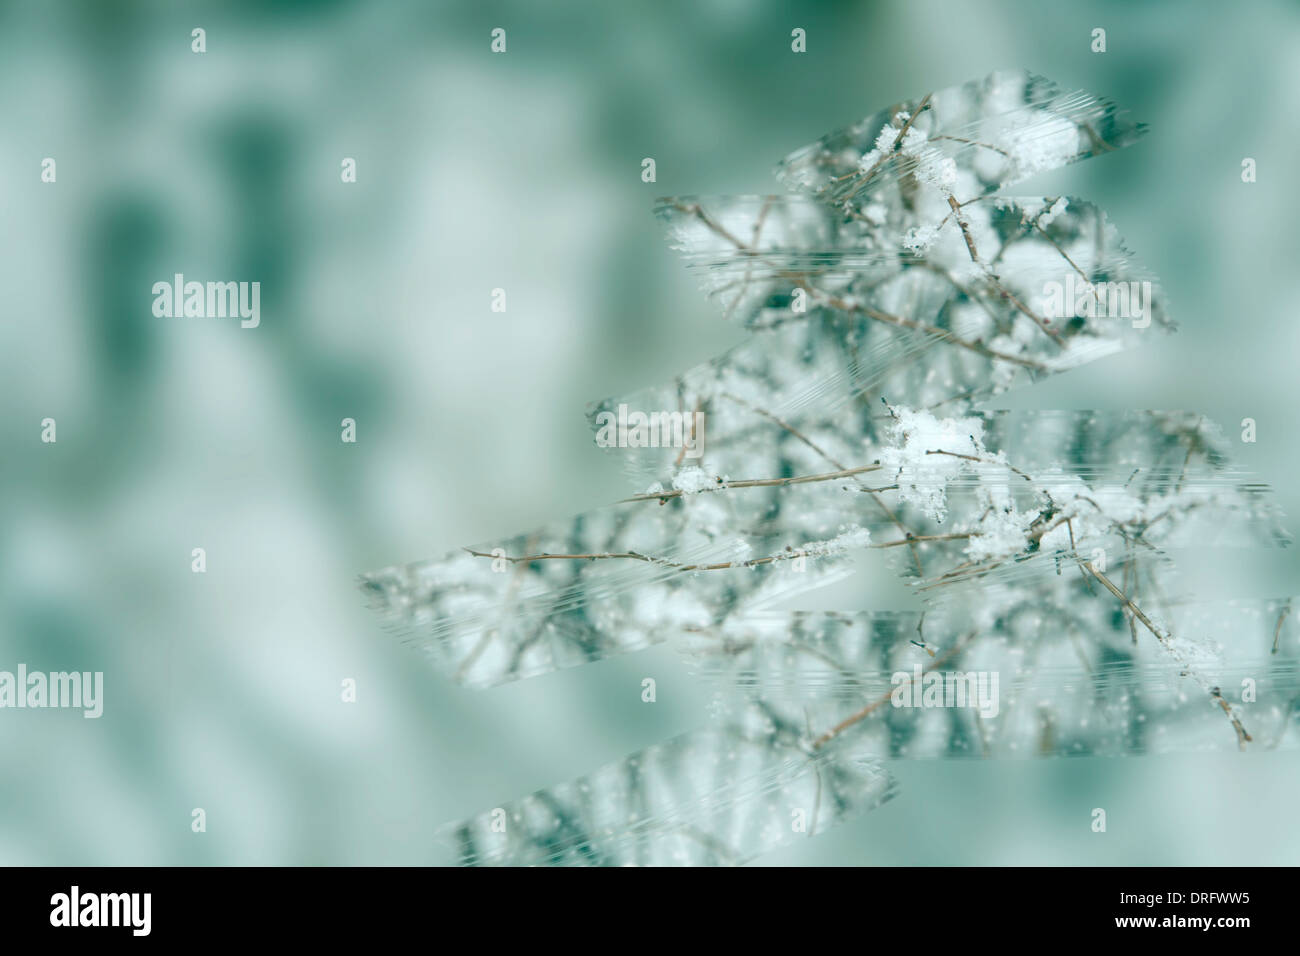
<point>787,555</point>
<point>965,229</point>
<point>921,108</point>
<point>944,335</point>
<point>875,705</point>
<point>1166,641</point>
<point>875,496</point>
<point>1277,631</point>
<point>757,483</point>
<point>986,461</point>
<point>1025,310</point>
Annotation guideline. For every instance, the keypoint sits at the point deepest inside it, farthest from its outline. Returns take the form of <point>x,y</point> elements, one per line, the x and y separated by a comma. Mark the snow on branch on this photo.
<point>887,298</point>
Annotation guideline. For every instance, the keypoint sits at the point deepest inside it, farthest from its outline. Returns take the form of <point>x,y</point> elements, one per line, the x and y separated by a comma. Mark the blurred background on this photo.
<point>519,171</point>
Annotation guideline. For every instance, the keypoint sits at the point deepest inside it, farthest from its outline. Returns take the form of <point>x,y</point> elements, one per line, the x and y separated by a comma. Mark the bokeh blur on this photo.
<point>519,171</point>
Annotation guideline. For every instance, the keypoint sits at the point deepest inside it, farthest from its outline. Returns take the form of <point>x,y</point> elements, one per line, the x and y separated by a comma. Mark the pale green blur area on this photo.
<point>518,171</point>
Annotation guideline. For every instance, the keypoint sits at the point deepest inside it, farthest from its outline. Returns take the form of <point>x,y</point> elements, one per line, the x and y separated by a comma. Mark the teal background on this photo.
<point>519,171</point>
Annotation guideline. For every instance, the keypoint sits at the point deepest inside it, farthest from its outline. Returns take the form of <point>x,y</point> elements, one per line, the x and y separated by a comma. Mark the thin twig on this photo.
<point>875,496</point>
<point>1166,641</point>
<point>787,555</point>
<point>1277,631</point>
<point>921,108</point>
<point>875,705</point>
<point>944,335</point>
<point>986,461</point>
<point>757,483</point>
<point>965,229</point>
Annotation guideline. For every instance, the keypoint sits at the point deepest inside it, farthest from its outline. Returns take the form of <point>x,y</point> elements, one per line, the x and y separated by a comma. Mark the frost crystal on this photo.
<point>692,480</point>
<point>928,453</point>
